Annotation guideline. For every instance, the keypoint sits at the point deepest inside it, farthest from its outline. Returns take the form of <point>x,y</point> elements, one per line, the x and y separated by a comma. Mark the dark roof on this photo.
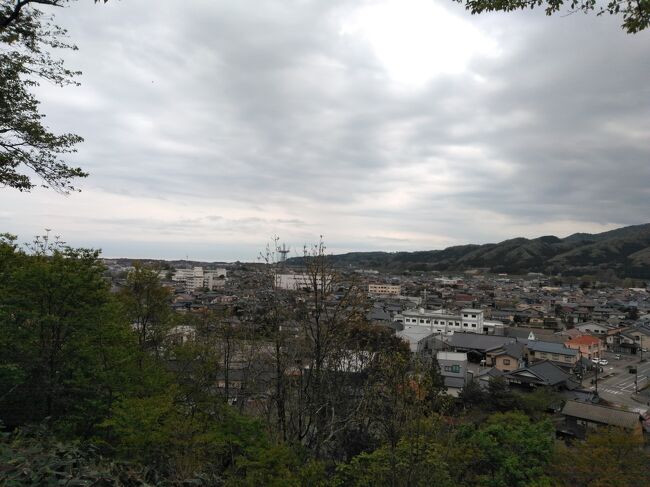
<point>515,349</point>
<point>378,314</point>
<point>474,341</point>
<point>545,372</point>
<point>523,332</point>
<point>601,414</point>
<point>490,373</point>
<point>455,382</point>
<point>548,347</point>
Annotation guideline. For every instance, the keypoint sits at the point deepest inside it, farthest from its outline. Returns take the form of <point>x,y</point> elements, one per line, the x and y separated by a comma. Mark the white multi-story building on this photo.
<point>384,289</point>
<point>298,282</point>
<point>292,282</point>
<point>468,320</point>
<point>197,278</point>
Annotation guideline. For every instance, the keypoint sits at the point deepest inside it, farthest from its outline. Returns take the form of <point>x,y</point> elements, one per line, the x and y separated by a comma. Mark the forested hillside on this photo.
<point>624,252</point>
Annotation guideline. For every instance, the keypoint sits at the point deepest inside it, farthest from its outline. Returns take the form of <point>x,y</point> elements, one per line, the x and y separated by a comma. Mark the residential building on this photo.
<point>588,346</point>
<point>543,373</point>
<point>384,289</point>
<point>598,329</point>
<point>508,357</point>
<point>453,367</point>
<point>580,417</point>
<point>641,335</point>
<point>420,338</point>
<point>555,352</point>
<point>475,344</point>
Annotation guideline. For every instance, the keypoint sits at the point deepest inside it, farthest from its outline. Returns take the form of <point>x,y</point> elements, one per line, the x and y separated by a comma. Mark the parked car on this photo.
<point>602,361</point>
<point>595,360</point>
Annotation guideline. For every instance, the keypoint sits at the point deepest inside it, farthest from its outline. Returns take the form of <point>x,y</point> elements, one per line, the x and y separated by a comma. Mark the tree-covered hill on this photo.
<point>624,252</point>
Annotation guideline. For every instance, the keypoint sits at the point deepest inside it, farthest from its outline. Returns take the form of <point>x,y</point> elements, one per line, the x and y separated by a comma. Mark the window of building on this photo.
<point>556,356</point>
<point>466,316</point>
<point>455,369</point>
<point>506,361</point>
<point>473,316</point>
<point>435,322</point>
<point>447,368</point>
<point>473,325</point>
<point>465,325</point>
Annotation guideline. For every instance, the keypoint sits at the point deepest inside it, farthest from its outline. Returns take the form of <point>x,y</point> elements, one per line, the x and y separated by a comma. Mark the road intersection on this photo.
<point>617,385</point>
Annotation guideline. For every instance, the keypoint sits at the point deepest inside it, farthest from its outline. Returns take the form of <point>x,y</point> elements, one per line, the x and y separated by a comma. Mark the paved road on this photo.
<point>617,384</point>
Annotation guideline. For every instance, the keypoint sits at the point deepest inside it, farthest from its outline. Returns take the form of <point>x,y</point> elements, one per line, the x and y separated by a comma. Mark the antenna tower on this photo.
<point>283,253</point>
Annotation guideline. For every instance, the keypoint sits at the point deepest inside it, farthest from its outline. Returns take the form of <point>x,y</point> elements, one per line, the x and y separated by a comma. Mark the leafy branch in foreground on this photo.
<point>636,13</point>
<point>27,146</point>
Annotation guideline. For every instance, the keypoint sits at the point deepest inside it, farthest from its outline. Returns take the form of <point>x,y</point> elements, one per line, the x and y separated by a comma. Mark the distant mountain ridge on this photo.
<point>624,252</point>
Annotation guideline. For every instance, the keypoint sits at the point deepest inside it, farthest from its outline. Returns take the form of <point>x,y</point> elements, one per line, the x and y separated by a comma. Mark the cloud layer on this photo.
<point>211,126</point>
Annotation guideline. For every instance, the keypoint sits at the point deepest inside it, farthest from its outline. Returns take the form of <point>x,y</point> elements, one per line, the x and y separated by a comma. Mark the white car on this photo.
<point>603,361</point>
<point>595,360</point>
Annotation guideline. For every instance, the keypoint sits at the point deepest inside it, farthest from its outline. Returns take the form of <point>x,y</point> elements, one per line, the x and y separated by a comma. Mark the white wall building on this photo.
<point>468,320</point>
<point>292,282</point>
<point>454,370</point>
<point>197,278</point>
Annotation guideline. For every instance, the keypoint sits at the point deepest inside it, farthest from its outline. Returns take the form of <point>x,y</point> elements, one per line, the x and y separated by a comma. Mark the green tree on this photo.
<point>608,458</point>
<point>509,450</point>
<point>32,457</point>
<point>27,146</point>
<point>636,13</point>
<point>434,387</point>
<point>146,305</point>
<point>65,349</point>
<point>500,397</point>
<point>472,395</point>
<point>416,460</point>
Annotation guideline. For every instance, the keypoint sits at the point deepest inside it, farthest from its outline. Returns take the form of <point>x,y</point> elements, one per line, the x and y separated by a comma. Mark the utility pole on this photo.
<point>597,367</point>
<point>635,370</point>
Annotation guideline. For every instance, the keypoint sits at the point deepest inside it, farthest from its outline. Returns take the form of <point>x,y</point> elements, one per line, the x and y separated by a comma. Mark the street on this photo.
<point>617,385</point>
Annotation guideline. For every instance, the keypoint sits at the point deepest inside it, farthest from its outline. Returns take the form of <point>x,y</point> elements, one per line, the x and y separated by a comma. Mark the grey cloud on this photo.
<point>266,105</point>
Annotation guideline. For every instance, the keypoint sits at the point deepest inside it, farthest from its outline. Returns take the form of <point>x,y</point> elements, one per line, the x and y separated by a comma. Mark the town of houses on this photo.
<point>586,340</point>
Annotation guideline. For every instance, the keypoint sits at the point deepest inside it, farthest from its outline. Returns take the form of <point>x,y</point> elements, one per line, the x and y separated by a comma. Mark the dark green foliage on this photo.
<point>146,305</point>
<point>472,395</point>
<point>509,450</point>
<point>608,458</point>
<point>636,14</point>
<point>34,458</point>
<point>62,339</point>
<point>416,462</point>
<point>26,144</point>
<point>499,397</point>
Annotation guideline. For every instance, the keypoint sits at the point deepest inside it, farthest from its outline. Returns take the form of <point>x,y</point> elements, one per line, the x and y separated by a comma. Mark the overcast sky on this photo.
<point>211,126</point>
